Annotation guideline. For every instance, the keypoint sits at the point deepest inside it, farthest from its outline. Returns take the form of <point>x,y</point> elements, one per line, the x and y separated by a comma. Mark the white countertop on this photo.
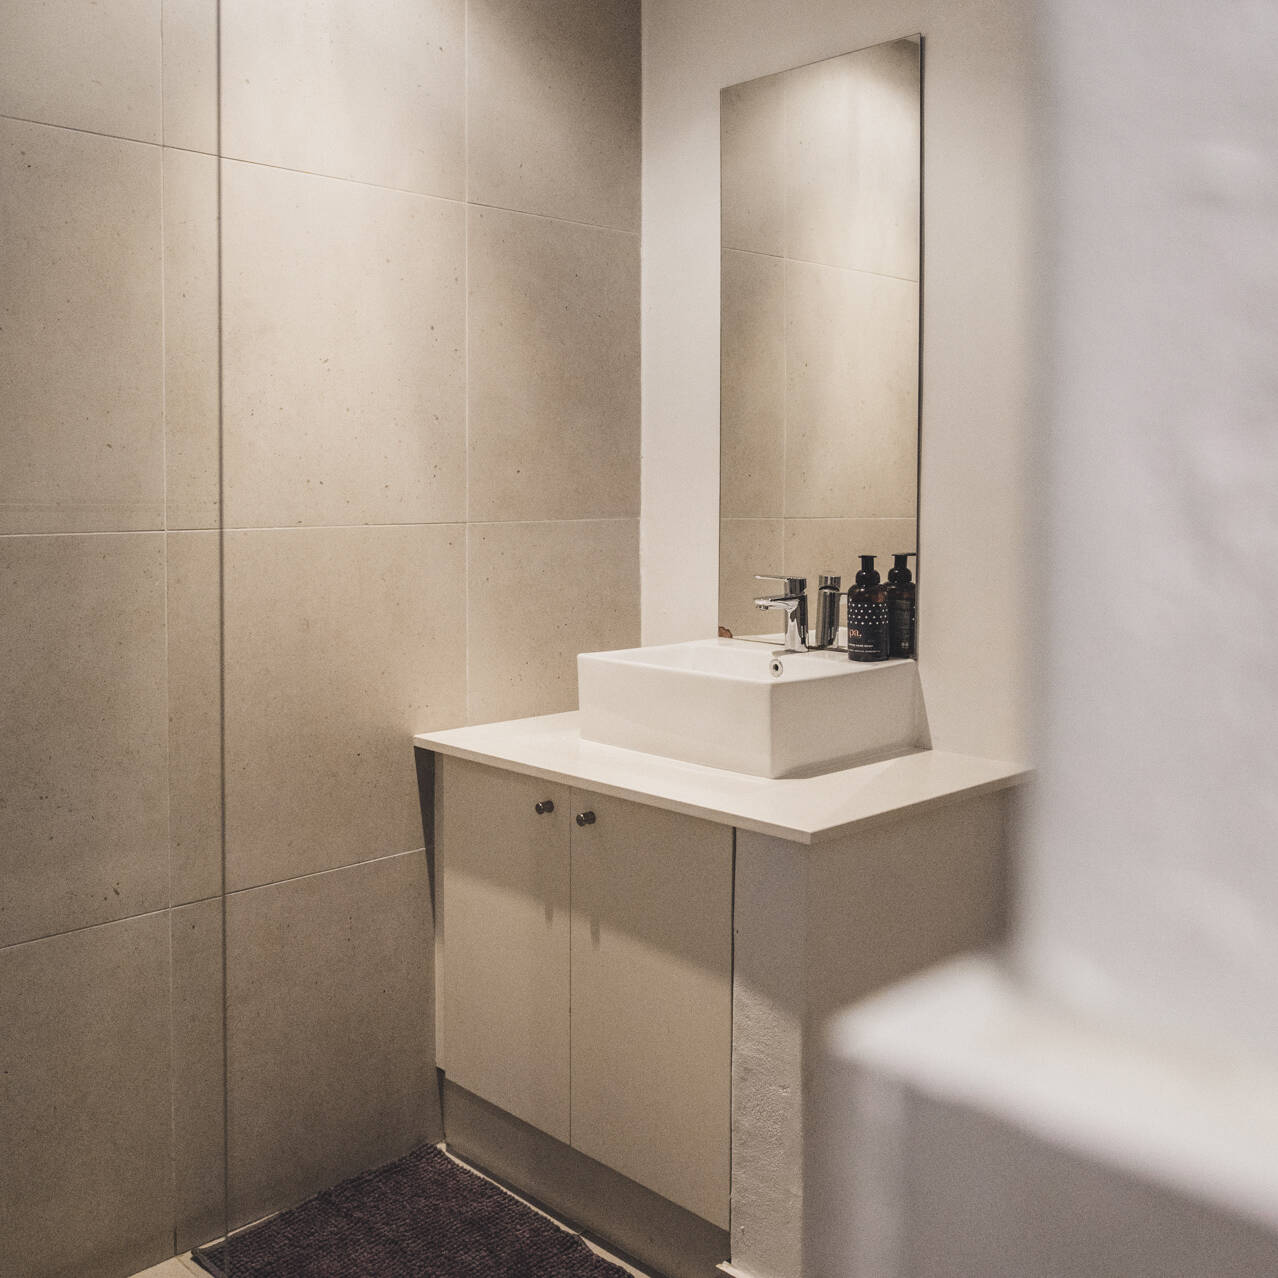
<point>802,810</point>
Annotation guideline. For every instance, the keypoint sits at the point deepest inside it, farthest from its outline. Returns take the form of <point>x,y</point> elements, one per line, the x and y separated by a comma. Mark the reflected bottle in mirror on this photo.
<point>827,618</point>
<point>901,600</point>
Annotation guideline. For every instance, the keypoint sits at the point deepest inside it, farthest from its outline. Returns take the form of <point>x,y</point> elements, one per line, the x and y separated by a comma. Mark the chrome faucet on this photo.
<point>794,603</point>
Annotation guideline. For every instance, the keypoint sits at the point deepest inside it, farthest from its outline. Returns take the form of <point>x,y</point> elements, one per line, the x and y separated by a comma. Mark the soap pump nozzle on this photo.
<point>868,576</point>
<point>900,574</point>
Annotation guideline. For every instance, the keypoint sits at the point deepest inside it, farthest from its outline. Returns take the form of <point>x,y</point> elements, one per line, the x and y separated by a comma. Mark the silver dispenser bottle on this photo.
<point>827,617</point>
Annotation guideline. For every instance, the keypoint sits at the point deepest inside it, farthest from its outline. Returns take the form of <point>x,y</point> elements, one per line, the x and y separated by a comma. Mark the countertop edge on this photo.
<point>914,807</point>
<point>999,775</point>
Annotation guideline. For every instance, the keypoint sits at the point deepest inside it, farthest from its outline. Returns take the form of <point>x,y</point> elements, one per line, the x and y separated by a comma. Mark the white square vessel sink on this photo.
<point>719,702</point>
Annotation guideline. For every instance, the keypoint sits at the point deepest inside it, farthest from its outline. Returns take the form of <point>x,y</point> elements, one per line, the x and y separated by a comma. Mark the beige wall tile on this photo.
<point>86,1180</point>
<point>852,393</point>
<point>538,595</point>
<point>190,340</point>
<point>199,1154</point>
<point>86,66</point>
<point>195,766</point>
<point>814,546</point>
<point>340,644</point>
<point>330,1029</point>
<point>752,386</point>
<point>190,74</point>
<point>344,322</point>
<point>554,369</point>
<point>747,546</point>
<point>853,176</point>
<point>554,108</point>
<point>371,91</point>
<point>80,345</point>
<point>84,821</point>
<point>752,130</point>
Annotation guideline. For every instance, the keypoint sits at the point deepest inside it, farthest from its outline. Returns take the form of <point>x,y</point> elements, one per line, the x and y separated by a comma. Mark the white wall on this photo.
<point>974,407</point>
<point>1151,892</point>
<point>1122,1096</point>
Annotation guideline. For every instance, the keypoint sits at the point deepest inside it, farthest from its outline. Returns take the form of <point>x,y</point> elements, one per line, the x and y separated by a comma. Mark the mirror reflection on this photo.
<point>819,311</point>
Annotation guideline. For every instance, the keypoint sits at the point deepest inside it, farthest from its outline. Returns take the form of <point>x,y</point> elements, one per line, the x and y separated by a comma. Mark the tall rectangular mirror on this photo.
<point>819,310</point>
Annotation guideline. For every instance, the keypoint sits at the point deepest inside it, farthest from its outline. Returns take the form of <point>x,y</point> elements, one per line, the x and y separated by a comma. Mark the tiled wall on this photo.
<point>430,344</point>
<point>819,282</point>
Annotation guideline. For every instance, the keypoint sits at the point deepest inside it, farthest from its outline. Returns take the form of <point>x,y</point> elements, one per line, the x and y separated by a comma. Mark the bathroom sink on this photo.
<point>747,707</point>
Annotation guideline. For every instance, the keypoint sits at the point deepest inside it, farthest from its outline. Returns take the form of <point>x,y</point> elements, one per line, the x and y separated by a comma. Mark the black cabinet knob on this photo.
<point>585,818</point>
<point>546,805</point>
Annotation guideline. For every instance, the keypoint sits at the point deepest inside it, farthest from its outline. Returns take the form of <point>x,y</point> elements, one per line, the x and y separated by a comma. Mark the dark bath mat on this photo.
<point>419,1217</point>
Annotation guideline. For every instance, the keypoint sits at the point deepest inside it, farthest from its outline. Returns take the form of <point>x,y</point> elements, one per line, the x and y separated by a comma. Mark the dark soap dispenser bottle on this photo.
<point>868,638</point>
<point>901,597</point>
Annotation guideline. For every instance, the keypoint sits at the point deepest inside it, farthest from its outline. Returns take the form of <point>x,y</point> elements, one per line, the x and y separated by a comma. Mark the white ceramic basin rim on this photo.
<point>735,659</point>
<point>723,703</point>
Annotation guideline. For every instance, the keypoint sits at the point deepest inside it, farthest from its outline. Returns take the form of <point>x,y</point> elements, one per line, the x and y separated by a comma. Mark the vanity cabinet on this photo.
<point>502,929</point>
<point>585,972</point>
<point>652,987</point>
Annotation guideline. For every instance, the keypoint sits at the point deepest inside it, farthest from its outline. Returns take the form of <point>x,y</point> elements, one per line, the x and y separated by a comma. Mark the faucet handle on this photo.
<point>793,585</point>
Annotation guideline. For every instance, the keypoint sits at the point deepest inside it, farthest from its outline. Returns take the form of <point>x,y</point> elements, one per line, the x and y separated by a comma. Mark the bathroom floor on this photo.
<point>184,1267</point>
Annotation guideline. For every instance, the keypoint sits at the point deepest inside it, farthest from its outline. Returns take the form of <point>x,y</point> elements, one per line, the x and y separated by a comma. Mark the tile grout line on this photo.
<point>250,528</point>
<point>221,632</point>
<point>642,396</point>
<point>817,519</point>
<point>85,927</point>
<point>826,266</point>
<point>330,869</point>
<point>168,682</point>
<point>97,532</point>
<point>173,1150</point>
<point>785,326</point>
<point>732,1004</point>
<point>918,402</point>
<point>551,217</point>
<point>466,699</point>
<point>201,900</point>
<point>93,133</point>
<point>571,908</point>
<point>464,202</point>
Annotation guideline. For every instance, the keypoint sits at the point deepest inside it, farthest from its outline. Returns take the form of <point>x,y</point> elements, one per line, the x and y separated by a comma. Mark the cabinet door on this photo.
<point>652,999</point>
<point>503,893</point>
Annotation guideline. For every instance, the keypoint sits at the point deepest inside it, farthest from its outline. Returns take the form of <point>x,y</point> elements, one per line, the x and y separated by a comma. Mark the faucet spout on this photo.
<point>795,610</point>
<point>794,603</point>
